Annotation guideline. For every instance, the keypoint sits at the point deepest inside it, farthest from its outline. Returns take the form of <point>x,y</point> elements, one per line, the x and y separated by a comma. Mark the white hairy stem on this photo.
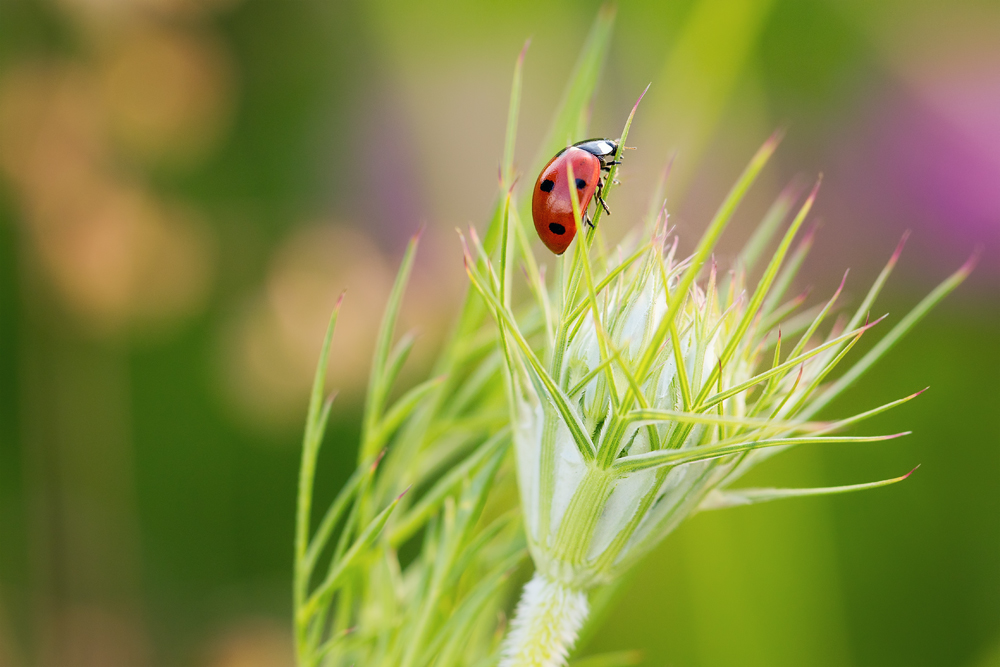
<point>545,625</point>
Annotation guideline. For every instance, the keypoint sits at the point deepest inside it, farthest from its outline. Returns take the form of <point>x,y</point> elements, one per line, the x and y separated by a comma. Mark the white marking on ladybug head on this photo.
<point>605,147</point>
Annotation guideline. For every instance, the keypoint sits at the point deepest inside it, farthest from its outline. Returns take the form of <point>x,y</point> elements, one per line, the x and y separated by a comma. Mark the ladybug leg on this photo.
<point>600,198</point>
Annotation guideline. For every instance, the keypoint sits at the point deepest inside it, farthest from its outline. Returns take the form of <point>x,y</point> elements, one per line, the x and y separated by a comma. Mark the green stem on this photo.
<point>546,624</point>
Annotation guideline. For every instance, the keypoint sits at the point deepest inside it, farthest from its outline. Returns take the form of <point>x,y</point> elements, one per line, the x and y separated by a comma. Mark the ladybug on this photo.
<point>551,206</point>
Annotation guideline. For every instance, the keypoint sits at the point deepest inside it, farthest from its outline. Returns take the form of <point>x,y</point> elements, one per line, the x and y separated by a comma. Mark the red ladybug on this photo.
<point>551,206</point>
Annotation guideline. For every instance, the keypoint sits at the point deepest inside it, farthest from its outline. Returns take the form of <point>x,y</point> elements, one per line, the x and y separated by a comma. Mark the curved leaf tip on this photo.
<point>899,248</point>
<point>524,52</point>
<point>970,264</point>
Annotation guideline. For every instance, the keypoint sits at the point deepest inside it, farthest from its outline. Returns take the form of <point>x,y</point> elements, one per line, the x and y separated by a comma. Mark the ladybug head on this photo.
<point>603,149</point>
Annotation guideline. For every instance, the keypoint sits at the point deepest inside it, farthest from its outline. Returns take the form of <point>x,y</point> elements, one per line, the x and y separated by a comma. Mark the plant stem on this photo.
<point>548,618</point>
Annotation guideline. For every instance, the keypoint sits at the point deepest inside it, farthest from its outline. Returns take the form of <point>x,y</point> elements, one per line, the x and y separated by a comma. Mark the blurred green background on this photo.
<point>187,185</point>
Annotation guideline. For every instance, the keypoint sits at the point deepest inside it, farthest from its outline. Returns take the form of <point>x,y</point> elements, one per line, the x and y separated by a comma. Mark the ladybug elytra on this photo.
<point>551,206</point>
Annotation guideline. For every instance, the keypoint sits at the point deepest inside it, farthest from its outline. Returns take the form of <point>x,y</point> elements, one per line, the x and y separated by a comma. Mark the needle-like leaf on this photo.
<point>718,499</point>
<point>378,385</point>
<point>651,460</point>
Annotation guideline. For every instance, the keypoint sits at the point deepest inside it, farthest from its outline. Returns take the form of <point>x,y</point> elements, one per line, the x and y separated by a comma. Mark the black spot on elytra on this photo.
<point>556,228</point>
<point>547,185</point>
<point>580,184</point>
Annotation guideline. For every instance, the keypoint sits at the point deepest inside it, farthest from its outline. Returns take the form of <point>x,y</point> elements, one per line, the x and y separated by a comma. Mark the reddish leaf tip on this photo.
<point>909,473</point>
<point>869,324</point>
<point>899,248</point>
<point>524,51</point>
<point>815,189</point>
<point>970,263</point>
<point>843,281</point>
<point>473,235</point>
<point>641,95</point>
<point>802,296</point>
<point>810,234</point>
<point>666,170</point>
<point>793,190</point>
<point>465,248</point>
<point>772,141</point>
<point>378,459</point>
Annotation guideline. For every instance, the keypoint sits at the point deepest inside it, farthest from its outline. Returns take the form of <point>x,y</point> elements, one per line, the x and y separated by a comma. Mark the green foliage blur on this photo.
<point>186,186</point>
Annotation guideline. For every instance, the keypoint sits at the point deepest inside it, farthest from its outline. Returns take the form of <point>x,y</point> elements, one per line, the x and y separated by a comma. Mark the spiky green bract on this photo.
<point>434,477</point>
<point>656,387</point>
<point>355,601</point>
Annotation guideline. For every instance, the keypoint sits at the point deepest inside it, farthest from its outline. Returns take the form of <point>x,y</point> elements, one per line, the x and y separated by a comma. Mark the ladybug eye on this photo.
<point>556,228</point>
<point>547,185</point>
<point>580,184</point>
